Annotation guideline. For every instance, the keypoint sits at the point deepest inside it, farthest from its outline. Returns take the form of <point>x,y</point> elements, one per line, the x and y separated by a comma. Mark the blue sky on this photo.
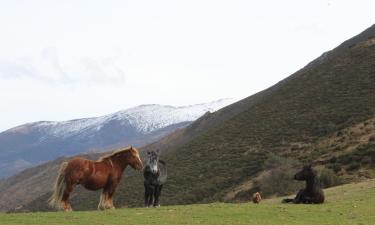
<point>69,59</point>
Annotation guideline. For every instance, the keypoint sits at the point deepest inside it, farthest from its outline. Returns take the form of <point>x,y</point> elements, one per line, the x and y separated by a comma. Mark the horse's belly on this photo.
<point>95,182</point>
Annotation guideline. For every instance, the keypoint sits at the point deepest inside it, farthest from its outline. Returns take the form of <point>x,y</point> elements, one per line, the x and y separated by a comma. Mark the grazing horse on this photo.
<point>104,173</point>
<point>155,174</point>
<point>313,193</point>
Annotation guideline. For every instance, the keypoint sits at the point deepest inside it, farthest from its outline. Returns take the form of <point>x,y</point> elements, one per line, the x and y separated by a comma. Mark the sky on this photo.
<point>62,60</point>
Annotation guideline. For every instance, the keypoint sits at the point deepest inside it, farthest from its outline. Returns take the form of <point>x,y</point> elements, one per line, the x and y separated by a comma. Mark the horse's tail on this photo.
<point>59,187</point>
<point>163,172</point>
<point>287,200</point>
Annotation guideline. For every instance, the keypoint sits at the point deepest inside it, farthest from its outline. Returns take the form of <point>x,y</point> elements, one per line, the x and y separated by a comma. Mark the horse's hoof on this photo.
<point>156,206</point>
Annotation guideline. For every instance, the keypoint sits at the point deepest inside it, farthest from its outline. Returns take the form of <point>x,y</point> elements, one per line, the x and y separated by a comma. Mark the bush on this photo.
<point>329,179</point>
<point>333,159</point>
<point>364,155</point>
<point>279,182</point>
<point>354,166</point>
<point>336,167</point>
<point>367,160</point>
<point>243,196</point>
<point>275,161</point>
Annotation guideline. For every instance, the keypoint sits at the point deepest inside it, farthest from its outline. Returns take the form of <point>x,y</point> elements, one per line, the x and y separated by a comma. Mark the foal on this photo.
<point>155,174</point>
<point>257,198</point>
<point>313,193</point>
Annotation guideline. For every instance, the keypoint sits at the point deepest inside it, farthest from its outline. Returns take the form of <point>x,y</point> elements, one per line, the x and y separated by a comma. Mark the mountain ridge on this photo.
<point>32,143</point>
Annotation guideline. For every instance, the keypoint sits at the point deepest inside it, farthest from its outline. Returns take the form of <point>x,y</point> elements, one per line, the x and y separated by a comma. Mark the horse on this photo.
<point>155,175</point>
<point>313,193</point>
<point>256,197</point>
<point>105,173</point>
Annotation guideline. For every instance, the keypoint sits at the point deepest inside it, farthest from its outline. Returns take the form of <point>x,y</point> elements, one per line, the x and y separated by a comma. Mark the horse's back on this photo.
<point>79,163</point>
<point>319,197</point>
<point>78,168</point>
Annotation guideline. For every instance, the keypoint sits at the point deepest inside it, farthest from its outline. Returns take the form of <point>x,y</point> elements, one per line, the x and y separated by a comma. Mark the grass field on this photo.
<point>352,204</point>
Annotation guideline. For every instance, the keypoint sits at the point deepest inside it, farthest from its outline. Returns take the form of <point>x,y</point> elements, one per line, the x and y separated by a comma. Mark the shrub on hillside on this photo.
<point>242,196</point>
<point>279,182</point>
<point>363,156</point>
<point>329,179</point>
<point>276,161</point>
<point>336,167</point>
<point>354,166</point>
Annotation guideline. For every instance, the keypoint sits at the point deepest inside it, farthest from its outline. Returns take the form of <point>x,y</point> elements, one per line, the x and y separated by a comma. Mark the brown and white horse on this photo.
<point>104,173</point>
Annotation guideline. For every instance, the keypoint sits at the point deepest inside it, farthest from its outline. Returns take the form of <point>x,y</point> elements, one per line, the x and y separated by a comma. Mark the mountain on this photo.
<point>33,143</point>
<point>323,114</point>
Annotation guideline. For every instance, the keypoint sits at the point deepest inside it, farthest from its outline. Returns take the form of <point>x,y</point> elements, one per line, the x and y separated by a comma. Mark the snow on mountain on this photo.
<point>144,119</point>
<point>34,143</point>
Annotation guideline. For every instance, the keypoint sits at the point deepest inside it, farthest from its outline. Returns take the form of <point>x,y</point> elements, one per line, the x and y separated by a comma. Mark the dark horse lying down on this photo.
<point>313,193</point>
<point>155,174</point>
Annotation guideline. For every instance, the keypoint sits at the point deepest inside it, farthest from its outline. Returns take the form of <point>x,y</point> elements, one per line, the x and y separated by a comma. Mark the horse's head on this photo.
<point>306,173</point>
<point>152,160</point>
<point>134,159</point>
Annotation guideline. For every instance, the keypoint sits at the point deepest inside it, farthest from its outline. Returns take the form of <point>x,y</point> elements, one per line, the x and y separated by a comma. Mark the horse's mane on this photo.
<point>110,155</point>
<point>163,172</point>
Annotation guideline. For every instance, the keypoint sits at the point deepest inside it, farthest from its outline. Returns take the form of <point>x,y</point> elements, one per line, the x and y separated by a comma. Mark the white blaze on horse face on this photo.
<point>153,162</point>
<point>154,167</point>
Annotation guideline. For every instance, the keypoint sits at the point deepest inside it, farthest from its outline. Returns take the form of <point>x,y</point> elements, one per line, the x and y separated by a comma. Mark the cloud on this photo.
<point>48,68</point>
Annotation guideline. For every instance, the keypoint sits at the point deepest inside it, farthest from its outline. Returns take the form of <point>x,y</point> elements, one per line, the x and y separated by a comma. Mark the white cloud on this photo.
<point>110,55</point>
<point>47,67</point>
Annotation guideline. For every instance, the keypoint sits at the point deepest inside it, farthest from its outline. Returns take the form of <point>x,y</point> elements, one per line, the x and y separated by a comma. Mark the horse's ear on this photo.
<point>309,166</point>
<point>157,151</point>
<point>148,152</point>
<point>131,147</point>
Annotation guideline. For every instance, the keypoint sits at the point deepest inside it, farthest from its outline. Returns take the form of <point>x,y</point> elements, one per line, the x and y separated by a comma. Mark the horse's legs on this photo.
<point>106,198</point>
<point>150,191</point>
<point>146,194</point>
<point>103,202</point>
<point>299,197</point>
<point>65,199</point>
<point>111,192</point>
<point>157,193</point>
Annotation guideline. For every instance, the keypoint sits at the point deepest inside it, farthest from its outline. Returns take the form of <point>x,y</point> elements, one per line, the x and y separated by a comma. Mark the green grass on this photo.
<point>347,204</point>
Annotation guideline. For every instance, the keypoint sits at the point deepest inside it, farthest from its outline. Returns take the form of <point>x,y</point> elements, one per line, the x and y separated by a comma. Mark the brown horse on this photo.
<point>104,173</point>
<point>257,198</point>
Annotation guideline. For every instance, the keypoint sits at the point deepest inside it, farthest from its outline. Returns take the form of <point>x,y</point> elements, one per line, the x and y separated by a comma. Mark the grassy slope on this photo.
<point>322,99</point>
<point>347,204</point>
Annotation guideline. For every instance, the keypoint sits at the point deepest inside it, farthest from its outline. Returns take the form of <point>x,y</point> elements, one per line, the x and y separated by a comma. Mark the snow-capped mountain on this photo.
<point>144,119</point>
<point>37,142</point>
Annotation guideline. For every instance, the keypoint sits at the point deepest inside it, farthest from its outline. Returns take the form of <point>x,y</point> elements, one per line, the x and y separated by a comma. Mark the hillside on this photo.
<point>33,143</point>
<point>347,204</point>
<point>322,114</point>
